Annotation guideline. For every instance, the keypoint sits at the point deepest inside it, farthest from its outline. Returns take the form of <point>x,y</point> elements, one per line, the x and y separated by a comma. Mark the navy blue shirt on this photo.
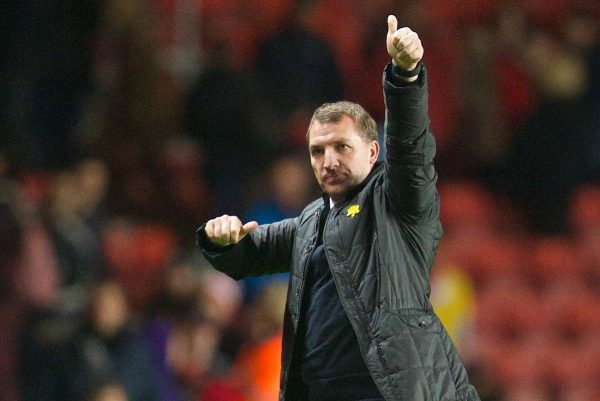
<point>331,364</point>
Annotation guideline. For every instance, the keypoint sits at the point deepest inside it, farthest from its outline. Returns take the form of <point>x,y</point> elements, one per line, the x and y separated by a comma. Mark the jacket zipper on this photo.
<point>337,287</point>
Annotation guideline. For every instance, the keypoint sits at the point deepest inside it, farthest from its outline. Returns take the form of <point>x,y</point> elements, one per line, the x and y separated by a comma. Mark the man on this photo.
<point>358,322</point>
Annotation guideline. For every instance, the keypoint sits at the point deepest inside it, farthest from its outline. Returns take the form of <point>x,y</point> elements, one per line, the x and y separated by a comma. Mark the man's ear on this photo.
<point>374,152</point>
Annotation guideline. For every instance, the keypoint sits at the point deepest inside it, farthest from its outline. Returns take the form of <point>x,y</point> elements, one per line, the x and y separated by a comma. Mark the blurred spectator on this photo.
<point>254,375</point>
<point>495,93</point>
<point>190,197</point>
<point>224,114</point>
<point>47,56</point>
<point>294,51</point>
<point>485,134</point>
<point>181,283</point>
<point>192,352</point>
<point>75,217</point>
<point>132,111</point>
<point>190,329</point>
<point>106,347</point>
<point>179,24</point>
<point>220,298</point>
<point>175,304</point>
<point>220,303</point>
<point>290,186</point>
<point>545,163</point>
<point>258,366</point>
<point>515,87</point>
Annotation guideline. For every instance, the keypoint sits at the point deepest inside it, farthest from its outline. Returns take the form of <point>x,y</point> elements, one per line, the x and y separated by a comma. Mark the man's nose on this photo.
<point>330,159</point>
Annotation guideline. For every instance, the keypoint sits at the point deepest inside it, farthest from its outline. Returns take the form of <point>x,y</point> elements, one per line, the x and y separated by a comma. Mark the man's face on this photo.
<point>340,157</point>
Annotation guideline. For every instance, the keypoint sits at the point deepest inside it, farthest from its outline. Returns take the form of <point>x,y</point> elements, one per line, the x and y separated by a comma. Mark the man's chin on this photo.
<point>335,192</point>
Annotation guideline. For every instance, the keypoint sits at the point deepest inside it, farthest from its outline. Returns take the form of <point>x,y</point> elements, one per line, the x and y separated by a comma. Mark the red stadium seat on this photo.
<point>552,260</point>
<point>570,365</point>
<point>519,365</point>
<point>572,313</point>
<point>507,313</point>
<point>495,258</point>
<point>584,220</point>
<point>466,205</point>
<point>584,209</point>
<point>547,338</point>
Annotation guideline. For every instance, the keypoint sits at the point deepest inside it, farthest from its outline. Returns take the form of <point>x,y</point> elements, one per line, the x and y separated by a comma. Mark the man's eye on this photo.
<point>316,152</point>
<point>343,147</point>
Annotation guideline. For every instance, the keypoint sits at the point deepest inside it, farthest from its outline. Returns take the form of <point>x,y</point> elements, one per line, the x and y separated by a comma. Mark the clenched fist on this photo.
<point>403,45</point>
<point>227,230</point>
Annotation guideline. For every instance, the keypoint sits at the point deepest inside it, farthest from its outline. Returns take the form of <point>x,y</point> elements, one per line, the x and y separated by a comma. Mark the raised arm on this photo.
<point>410,146</point>
<point>241,250</point>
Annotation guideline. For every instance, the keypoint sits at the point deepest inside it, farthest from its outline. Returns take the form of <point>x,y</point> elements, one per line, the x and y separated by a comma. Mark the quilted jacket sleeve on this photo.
<point>265,251</point>
<point>410,149</point>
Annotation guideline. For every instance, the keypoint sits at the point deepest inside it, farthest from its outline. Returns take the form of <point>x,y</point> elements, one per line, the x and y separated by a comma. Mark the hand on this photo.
<point>403,45</point>
<point>227,230</point>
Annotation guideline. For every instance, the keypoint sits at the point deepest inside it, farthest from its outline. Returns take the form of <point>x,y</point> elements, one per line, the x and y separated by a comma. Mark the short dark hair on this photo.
<point>334,112</point>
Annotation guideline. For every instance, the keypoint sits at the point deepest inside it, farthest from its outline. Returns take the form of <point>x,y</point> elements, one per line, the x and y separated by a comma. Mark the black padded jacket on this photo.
<point>380,251</point>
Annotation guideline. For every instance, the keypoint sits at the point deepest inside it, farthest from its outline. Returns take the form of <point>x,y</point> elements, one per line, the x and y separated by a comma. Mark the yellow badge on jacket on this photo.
<point>353,210</point>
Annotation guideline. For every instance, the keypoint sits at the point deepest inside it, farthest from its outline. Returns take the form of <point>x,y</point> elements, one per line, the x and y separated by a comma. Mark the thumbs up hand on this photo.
<point>403,45</point>
<point>227,230</point>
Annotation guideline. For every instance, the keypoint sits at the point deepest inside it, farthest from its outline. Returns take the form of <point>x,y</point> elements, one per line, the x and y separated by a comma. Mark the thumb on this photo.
<point>392,24</point>
<point>249,227</point>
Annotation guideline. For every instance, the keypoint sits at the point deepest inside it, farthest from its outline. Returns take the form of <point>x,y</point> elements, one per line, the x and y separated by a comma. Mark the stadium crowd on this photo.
<point>125,125</point>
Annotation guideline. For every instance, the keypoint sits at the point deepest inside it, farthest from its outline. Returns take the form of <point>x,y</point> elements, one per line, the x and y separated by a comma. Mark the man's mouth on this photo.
<point>332,179</point>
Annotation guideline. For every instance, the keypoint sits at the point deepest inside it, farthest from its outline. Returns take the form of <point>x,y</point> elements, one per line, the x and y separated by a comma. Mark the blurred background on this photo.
<point>124,125</point>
